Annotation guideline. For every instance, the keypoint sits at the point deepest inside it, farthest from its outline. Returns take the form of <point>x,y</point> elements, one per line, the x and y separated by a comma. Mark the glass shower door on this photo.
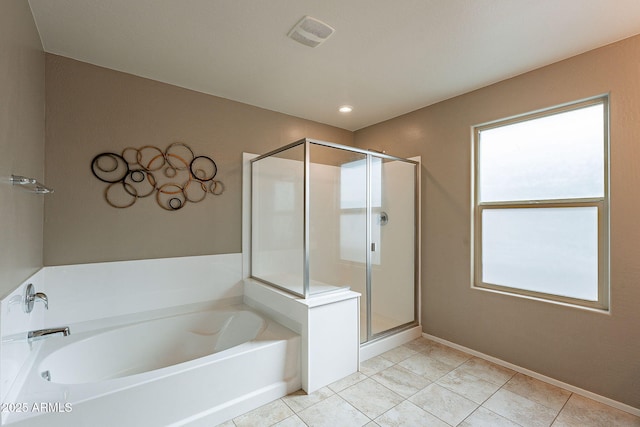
<point>392,292</point>
<point>326,217</point>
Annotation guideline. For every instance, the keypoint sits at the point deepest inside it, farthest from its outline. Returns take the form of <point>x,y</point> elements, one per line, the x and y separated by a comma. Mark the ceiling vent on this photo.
<point>310,32</point>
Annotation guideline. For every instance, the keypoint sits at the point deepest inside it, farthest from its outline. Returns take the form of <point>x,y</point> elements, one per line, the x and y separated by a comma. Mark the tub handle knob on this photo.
<point>41,296</point>
<point>31,296</point>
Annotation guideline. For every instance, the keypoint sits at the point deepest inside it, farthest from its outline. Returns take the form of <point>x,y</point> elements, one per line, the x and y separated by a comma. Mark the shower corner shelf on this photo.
<point>30,184</point>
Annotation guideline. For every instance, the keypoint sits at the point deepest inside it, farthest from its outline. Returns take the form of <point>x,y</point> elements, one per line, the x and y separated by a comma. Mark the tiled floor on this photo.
<point>423,383</point>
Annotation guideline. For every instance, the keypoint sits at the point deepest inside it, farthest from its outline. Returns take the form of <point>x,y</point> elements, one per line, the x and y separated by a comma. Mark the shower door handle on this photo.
<point>373,247</point>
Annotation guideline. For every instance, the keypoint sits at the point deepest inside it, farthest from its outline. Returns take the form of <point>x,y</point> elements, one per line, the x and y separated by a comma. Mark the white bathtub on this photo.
<point>198,368</point>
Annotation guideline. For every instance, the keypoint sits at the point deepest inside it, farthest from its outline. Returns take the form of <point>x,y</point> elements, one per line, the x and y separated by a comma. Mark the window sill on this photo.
<point>605,311</point>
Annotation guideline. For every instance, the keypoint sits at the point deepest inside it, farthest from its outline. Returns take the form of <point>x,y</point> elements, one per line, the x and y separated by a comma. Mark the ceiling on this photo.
<point>386,57</point>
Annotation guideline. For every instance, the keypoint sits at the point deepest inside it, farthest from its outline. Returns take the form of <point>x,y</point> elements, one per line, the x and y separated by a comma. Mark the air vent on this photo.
<point>310,32</point>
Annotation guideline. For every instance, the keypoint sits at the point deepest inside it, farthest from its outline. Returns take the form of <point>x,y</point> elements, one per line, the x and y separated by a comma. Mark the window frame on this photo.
<point>601,203</point>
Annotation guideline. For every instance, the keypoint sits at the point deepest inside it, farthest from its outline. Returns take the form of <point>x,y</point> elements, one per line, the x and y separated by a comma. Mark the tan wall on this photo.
<point>21,143</point>
<point>91,110</point>
<point>598,352</point>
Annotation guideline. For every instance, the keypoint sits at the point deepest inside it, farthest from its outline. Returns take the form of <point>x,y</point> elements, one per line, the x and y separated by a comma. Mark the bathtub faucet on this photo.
<point>43,333</point>
<point>31,296</point>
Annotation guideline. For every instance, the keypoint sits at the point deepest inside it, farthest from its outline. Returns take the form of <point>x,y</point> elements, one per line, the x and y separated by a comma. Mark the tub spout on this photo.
<point>43,333</point>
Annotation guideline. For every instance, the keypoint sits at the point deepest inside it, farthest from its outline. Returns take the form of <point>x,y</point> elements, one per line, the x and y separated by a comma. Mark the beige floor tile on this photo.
<point>488,371</point>
<point>540,392</point>
<point>419,344</point>
<point>482,417</point>
<point>469,386</point>
<point>266,415</point>
<point>398,354</point>
<point>371,398</point>
<point>444,404</point>
<point>301,400</point>
<point>426,366</point>
<point>586,412</point>
<point>566,421</point>
<point>331,412</point>
<point>407,414</point>
<point>374,365</point>
<point>453,399</point>
<point>448,355</point>
<point>401,380</point>
<point>347,381</point>
<point>292,421</point>
<point>520,409</point>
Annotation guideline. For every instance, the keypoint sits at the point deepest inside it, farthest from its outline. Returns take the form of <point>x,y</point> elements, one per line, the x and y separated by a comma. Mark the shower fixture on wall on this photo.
<point>383,219</point>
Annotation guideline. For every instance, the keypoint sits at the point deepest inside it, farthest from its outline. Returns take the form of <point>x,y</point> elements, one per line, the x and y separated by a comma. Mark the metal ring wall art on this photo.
<point>176,176</point>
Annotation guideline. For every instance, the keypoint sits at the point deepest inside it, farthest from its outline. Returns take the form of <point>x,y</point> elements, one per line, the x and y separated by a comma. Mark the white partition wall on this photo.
<point>277,210</point>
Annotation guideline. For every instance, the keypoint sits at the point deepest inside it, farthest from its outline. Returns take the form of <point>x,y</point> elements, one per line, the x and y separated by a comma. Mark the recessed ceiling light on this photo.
<point>345,109</point>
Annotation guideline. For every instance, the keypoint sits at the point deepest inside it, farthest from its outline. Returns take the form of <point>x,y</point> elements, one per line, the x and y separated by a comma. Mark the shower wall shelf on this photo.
<point>30,184</point>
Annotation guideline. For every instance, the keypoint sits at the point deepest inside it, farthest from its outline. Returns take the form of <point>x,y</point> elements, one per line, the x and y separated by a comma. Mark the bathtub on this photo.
<point>194,368</point>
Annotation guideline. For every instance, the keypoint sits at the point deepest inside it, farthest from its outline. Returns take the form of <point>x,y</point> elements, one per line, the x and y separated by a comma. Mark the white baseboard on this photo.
<point>552,381</point>
<point>375,348</point>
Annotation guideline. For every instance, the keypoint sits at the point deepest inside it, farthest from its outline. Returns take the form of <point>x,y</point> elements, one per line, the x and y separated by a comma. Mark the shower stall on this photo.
<point>325,217</point>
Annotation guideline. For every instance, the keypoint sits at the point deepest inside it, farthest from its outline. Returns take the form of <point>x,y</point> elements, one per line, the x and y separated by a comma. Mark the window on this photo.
<point>353,209</point>
<point>353,184</point>
<point>541,204</point>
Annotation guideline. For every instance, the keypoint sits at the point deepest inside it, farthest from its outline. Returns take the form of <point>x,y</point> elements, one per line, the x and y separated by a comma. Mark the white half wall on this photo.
<point>93,291</point>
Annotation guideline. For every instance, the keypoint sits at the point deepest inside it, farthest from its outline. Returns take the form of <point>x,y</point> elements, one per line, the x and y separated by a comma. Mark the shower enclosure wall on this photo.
<point>327,217</point>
